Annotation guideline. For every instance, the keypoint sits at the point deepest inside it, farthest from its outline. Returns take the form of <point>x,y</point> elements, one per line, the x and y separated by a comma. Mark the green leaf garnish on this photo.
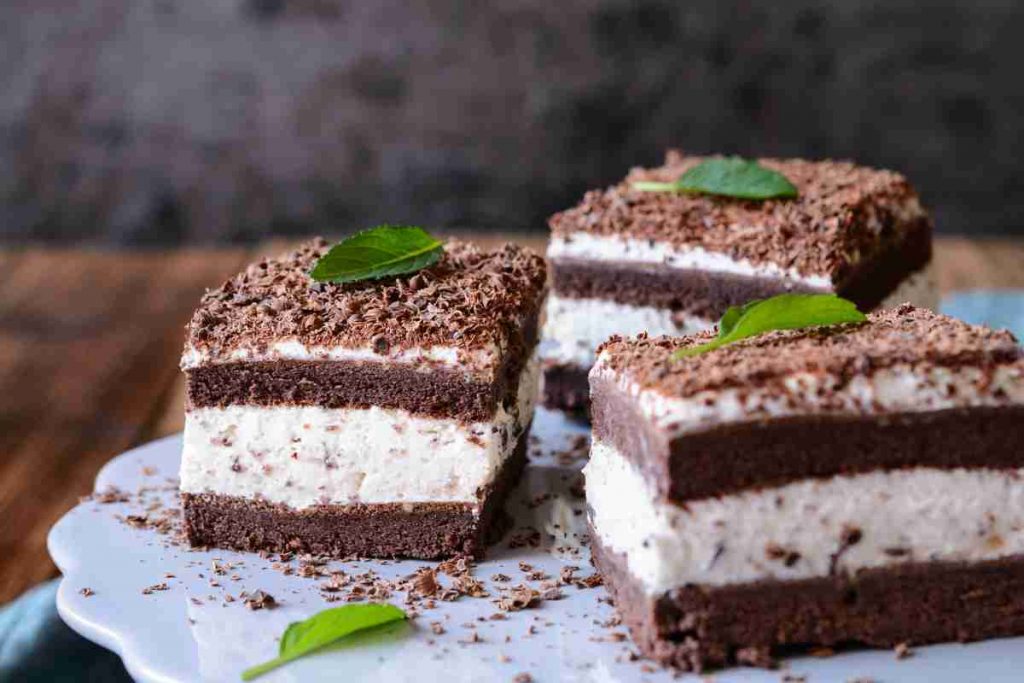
<point>782,312</point>
<point>379,252</point>
<point>729,177</point>
<point>303,637</point>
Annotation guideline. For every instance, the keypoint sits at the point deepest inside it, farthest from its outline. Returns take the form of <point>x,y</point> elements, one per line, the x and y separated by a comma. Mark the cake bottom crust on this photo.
<point>567,388</point>
<point>388,530</point>
<point>695,628</point>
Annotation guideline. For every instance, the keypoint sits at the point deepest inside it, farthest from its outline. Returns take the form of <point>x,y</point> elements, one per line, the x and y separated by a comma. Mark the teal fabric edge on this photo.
<point>35,645</point>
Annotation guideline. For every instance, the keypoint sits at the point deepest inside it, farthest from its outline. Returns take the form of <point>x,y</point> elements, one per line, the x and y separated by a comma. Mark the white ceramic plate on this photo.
<point>166,636</point>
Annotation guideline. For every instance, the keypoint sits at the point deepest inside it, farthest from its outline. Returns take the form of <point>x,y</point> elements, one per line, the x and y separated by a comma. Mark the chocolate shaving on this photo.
<point>518,598</point>
<point>776,552</point>
<point>425,583</point>
<point>467,585</point>
<point>111,494</point>
<point>849,536</point>
<point>260,600</point>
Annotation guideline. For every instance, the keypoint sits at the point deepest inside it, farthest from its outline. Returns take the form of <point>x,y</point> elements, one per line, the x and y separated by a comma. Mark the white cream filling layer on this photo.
<point>305,455</point>
<point>900,388</point>
<point>574,328</point>
<point>797,531</point>
<point>583,245</point>
<point>292,349</point>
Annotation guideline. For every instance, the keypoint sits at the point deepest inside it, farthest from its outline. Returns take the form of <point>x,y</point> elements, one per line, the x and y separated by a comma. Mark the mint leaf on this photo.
<point>304,637</point>
<point>729,177</point>
<point>732,316</point>
<point>782,312</point>
<point>376,253</point>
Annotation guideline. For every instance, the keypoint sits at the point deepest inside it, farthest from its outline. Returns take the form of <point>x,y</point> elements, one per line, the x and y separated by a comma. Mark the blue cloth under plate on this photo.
<point>35,645</point>
<point>996,308</point>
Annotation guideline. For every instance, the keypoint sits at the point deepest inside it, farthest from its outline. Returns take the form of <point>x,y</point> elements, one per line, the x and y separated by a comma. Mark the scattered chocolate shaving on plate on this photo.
<point>260,600</point>
<point>518,598</point>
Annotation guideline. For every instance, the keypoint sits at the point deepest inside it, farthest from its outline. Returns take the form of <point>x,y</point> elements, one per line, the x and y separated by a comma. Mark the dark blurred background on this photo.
<point>173,121</point>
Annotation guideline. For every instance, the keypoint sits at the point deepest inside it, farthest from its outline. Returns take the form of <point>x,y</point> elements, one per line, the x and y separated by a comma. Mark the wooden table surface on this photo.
<point>89,346</point>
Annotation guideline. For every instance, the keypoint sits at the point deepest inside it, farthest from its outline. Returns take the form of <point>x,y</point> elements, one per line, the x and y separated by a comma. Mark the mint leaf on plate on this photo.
<point>729,177</point>
<point>323,628</point>
<point>376,253</point>
<point>782,312</point>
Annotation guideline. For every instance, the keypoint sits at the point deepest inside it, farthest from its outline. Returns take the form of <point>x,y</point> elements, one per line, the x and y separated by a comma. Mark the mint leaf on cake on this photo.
<point>329,626</point>
<point>377,253</point>
<point>782,312</point>
<point>727,177</point>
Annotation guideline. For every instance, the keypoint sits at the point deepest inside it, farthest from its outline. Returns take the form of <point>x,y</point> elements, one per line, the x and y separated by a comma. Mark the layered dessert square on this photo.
<point>379,418</point>
<point>857,484</point>
<point>626,261</point>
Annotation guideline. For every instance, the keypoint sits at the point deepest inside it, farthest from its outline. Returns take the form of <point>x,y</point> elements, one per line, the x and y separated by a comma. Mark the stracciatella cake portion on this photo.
<point>848,483</point>
<point>903,361</point>
<point>627,261</point>
<point>380,418</point>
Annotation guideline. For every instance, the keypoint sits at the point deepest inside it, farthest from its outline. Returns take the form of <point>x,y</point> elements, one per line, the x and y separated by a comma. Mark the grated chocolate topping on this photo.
<point>902,335</point>
<point>843,213</point>
<point>469,299</point>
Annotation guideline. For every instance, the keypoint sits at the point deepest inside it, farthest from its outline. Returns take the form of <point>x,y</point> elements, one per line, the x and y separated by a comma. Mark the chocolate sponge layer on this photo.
<point>335,384</point>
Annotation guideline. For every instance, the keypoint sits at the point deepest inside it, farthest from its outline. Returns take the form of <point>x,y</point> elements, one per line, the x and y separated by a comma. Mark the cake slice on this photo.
<point>851,484</point>
<point>626,261</point>
<point>379,418</point>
